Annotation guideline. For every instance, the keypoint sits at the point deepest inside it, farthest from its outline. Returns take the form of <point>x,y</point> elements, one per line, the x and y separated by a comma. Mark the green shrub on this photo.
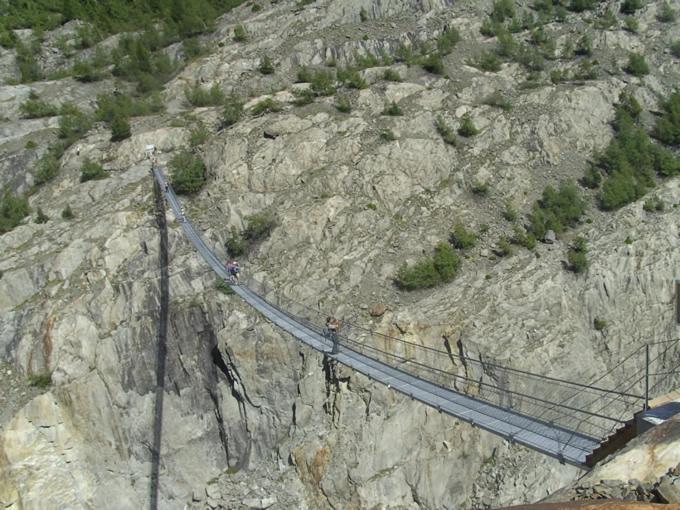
<point>584,46</point>
<point>629,105</point>
<point>445,131</point>
<point>73,124</point>
<point>489,27</point>
<point>200,97</point>
<point>654,204</point>
<point>30,144</point>
<point>637,65</point>
<point>631,24</point>
<point>67,213</point>
<point>42,381</point>
<point>441,267</point>
<point>351,78</point>
<point>388,135</point>
<point>433,63</point>
<point>467,127</point>
<point>523,238</point>
<point>503,248</point>
<point>13,209</point>
<point>582,5</point>
<point>631,159</point>
<point>266,65</point>
<point>599,324</point>
<point>421,275</point>
<point>304,75</point>
<point>240,34</point>
<point>188,173</point>
<point>502,10</point>
<point>223,287</point>
<point>35,108</point>
<point>606,20</point>
<point>198,135</point>
<point>232,111</point>
<point>620,188</point>
<point>557,209</point>
<point>592,178</point>
<point>259,226</point>
<point>488,61</point>
<point>90,170</point>
<point>41,217</point>
<point>266,106</point>
<point>667,127</point>
<point>303,97</point>
<point>85,72</point>
<point>587,70</point>
<point>558,76</point>
<point>110,106</point>
<point>8,39</point>
<point>462,238</point>
<point>193,48</point>
<point>480,188</point>
<point>506,46</point>
<point>666,14</point>
<point>447,40</point>
<point>510,213</point>
<point>120,129</point>
<point>577,256</point>
<point>391,75</point>
<point>675,48</point>
<point>342,104</point>
<point>322,83</point>
<point>496,99</point>
<point>630,6</point>
<point>235,244</point>
<point>47,168</point>
<point>29,68</point>
<point>392,109</point>
<point>363,14</point>
<point>530,58</point>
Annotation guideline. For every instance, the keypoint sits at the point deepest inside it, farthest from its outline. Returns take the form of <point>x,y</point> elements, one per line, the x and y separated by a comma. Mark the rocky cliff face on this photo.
<point>249,417</point>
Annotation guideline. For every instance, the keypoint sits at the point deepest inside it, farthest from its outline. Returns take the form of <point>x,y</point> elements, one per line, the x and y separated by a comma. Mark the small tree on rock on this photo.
<point>188,173</point>
<point>120,129</point>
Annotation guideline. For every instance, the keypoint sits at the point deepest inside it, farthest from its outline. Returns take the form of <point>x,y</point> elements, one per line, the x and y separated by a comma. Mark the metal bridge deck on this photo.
<point>554,441</point>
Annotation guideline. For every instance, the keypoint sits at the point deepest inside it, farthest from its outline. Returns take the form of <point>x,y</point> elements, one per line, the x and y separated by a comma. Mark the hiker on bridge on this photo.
<point>233,269</point>
<point>331,332</point>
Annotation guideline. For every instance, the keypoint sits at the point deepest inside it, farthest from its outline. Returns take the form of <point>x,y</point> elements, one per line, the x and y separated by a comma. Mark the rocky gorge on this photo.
<point>251,418</point>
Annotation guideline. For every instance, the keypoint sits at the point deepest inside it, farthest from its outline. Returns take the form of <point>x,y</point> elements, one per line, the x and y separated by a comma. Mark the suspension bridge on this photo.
<point>564,419</point>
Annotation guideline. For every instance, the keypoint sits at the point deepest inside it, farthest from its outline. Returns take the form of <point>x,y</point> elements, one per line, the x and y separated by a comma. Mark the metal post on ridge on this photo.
<point>646,376</point>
